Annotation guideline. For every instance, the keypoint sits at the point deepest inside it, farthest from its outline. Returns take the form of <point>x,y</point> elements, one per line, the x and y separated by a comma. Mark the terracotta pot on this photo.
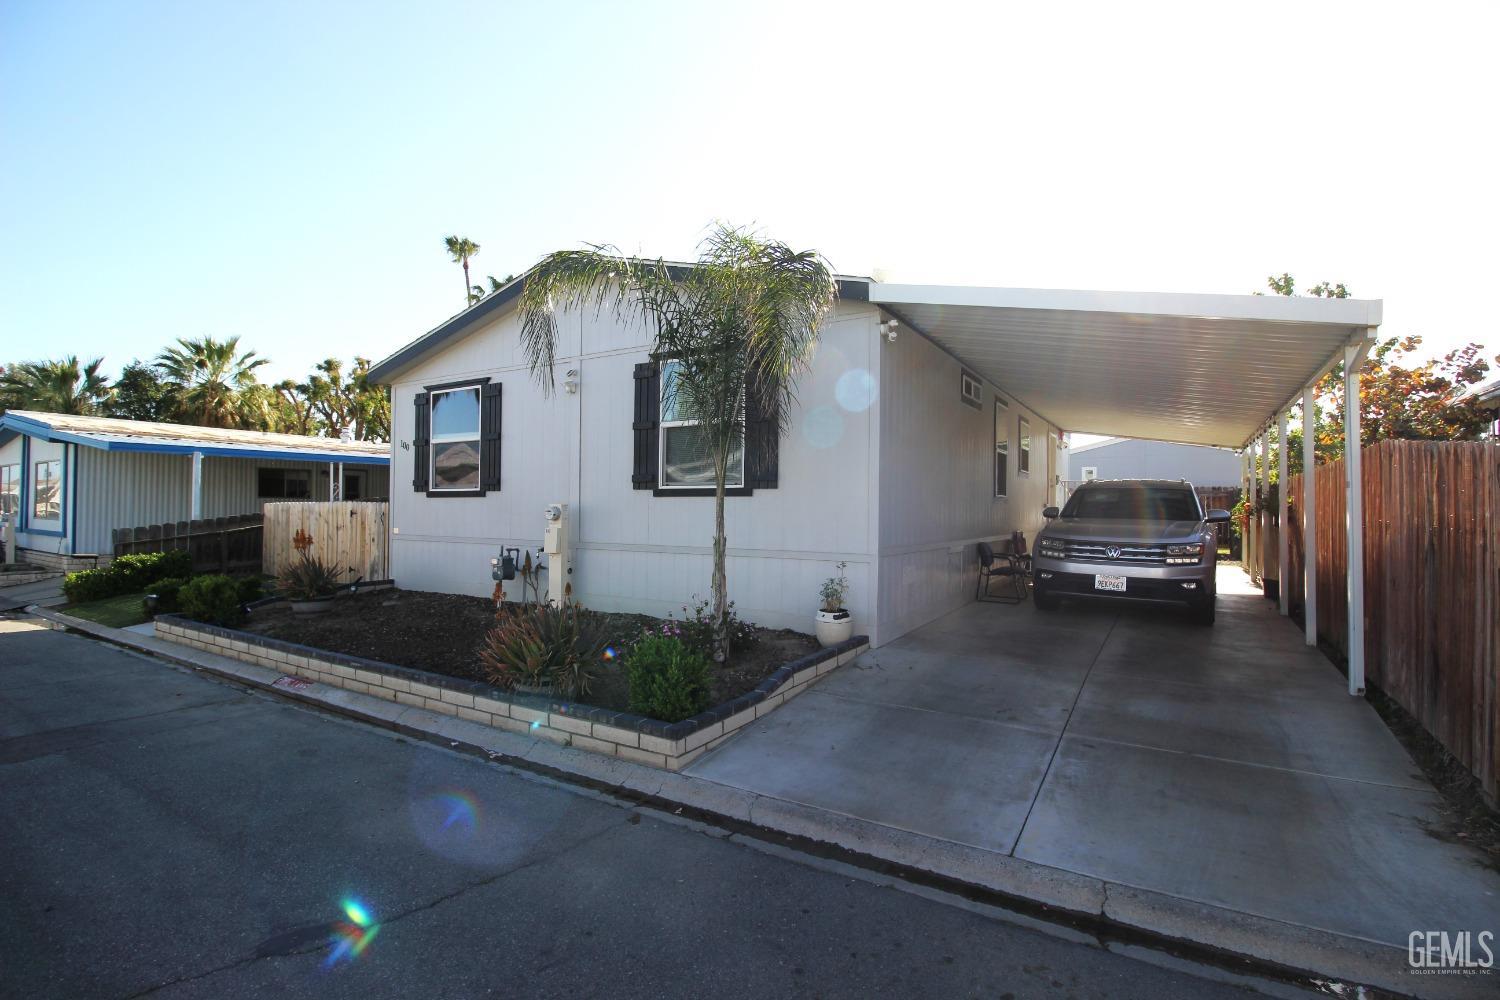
<point>833,627</point>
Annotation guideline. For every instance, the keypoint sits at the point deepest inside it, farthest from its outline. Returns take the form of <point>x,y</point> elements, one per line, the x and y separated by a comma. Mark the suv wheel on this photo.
<point>1203,612</point>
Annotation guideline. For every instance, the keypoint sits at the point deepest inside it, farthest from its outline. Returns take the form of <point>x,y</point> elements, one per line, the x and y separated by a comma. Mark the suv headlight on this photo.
<point>1051,547</point>
<point>1186,554</point>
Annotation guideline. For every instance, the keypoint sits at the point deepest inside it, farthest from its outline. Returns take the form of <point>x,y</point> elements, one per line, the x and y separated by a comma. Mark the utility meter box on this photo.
<point>555,545</point>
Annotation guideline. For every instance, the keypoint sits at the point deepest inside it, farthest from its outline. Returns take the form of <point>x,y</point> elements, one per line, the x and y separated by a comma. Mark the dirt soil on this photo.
<point>442,633</point>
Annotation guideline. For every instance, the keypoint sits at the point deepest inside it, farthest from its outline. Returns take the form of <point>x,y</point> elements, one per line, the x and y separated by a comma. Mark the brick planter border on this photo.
<point>670,745</point>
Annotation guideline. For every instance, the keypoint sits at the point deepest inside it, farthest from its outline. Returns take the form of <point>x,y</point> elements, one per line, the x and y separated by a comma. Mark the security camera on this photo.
<point>553,511</point>
<point>888,330</point>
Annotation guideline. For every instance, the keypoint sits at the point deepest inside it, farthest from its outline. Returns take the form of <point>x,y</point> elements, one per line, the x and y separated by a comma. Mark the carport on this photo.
<point>1196,369</point>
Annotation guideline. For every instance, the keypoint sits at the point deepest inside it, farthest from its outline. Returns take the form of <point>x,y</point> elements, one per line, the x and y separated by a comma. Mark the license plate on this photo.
<point>1116,583</point>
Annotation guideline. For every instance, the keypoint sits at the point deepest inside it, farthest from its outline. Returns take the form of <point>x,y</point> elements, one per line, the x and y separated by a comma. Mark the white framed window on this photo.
<point>454,439</point>
<point>686,460</point>
<point>47,490</point>
<point>10,489</point>
<point>970,389</point>
<point>1002,447</point>
<point>1023,452</point>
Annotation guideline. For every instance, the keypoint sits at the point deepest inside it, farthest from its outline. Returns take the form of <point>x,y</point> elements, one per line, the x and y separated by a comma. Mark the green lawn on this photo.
<point>117,612</point>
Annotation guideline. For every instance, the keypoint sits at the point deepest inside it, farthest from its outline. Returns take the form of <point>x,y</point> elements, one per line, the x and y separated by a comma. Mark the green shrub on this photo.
<point>668,680</point>
<point>542,645</point>
<point>168,594</point>
<point>213,598</point>
<point>126,575</point>
<point>252,588</point>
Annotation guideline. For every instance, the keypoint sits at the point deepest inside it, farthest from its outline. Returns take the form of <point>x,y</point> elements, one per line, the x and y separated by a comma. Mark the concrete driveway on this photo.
<point>1226,765</point>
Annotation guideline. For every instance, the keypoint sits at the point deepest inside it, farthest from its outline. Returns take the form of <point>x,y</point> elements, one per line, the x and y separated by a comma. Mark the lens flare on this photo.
<point>350,939</point>
<point>357,913</point>
<point>610,653</point>
<point>460,810</point>
<point>855,390</point>
<point>823,426</point>
<point>536,723</point>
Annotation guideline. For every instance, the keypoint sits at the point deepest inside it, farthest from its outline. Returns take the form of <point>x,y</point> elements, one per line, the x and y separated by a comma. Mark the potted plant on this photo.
<point>835,623</point>
<point>309,584</point>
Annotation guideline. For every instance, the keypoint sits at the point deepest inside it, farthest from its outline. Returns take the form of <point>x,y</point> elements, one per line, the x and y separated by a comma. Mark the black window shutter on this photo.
<point>489,438</point>
<point>421,444</point>
<point>647,425</point>
<point>762,439</point>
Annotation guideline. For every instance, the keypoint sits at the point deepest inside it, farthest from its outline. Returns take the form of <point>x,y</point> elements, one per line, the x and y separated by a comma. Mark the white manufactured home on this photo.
<point>66,482</point>
<point>899,459</point>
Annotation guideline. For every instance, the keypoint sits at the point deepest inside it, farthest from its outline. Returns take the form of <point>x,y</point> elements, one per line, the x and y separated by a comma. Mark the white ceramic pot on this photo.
<point>833,627</point>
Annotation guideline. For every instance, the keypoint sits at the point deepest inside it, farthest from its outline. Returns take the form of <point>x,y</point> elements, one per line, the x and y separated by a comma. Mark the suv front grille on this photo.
<point>1133,555</point>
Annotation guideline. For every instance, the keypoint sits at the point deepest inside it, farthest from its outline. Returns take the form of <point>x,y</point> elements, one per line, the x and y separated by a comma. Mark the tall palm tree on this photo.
<point>62,386</point>
<point>461,248</point>
<point>214,384</point>
<point>739,327</point>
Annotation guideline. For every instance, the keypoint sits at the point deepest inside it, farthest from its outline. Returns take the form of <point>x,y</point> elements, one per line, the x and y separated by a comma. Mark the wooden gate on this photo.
<point>349,534</point>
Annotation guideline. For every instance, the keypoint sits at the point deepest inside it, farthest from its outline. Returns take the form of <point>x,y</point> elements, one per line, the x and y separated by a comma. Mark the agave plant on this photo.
<point>544,646</point>
<point>309,579</point>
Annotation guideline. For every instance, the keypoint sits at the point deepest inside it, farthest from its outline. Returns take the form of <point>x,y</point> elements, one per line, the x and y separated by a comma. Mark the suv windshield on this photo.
<point>1133,502</point>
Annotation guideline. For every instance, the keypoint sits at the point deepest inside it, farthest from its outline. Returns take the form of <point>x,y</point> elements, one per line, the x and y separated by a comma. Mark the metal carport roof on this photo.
<point>1199,369</point>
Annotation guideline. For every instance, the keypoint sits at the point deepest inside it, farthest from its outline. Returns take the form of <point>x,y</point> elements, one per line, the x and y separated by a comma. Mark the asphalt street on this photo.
<point>163,834</point>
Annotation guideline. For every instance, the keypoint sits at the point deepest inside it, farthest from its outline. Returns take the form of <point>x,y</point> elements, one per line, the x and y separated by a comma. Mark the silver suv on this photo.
<point>1130,539</point>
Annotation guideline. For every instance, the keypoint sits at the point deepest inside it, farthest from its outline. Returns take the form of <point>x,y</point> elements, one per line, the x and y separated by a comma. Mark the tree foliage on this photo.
<point>738,328</point>
<point>1402,394</point>
<point>141,394</point>
<point>460,249</point>
<point>62,386</point>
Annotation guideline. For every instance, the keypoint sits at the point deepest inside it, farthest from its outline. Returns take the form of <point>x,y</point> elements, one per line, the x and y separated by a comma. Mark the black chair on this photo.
<point>1009,567</point>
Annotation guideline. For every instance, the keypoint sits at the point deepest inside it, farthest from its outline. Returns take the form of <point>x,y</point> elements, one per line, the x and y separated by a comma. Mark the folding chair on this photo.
<point>1006,566</point>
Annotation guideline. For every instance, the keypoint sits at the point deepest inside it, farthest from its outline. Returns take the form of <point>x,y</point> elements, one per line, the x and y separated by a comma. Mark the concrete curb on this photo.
<point>1107,911</point>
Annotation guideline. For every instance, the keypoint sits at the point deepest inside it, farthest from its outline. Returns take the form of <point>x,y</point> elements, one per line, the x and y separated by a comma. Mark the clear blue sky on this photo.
<point>286,172</point>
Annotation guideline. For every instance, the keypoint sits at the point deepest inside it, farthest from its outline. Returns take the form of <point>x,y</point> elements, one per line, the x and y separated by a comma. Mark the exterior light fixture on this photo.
<point>570,381</point>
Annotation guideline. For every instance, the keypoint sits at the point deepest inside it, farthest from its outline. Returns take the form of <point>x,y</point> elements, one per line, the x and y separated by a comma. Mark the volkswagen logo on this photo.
<point>1112,552</point>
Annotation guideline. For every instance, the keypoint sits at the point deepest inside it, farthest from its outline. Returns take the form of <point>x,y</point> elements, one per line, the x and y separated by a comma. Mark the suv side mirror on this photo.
<point>1050,512</point>
<point>1217,517</point>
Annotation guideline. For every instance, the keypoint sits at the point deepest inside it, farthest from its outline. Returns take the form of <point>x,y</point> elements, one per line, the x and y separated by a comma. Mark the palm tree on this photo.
<point>738,326</point>
<point>461,248</point>
<point>213,384</point>
<point>62,386</point>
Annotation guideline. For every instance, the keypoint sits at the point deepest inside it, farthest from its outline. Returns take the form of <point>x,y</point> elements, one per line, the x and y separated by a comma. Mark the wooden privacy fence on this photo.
<point>1432,585</point>
<point>1220,498</point>
<point>350,534</point>
<point>216,544</point>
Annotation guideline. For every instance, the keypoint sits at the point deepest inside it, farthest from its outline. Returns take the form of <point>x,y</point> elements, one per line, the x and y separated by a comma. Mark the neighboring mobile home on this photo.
<point>899,459</point>
<point>1128,458</point>
<point>66,482</point>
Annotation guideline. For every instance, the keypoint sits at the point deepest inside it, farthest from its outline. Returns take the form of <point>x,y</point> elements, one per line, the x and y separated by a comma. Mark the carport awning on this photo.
<point>1200,369</point>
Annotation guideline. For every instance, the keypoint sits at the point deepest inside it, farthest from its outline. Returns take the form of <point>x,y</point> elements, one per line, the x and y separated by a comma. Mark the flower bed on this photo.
<point>442,634</point>
<point>602,730</point>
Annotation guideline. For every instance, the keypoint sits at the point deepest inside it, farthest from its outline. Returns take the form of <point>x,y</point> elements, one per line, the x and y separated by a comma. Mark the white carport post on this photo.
<point>1354,515</point>
<point>1263,493</point>
<point>195,506</point>
<point>1282,524</point>
<point>1310,512</point>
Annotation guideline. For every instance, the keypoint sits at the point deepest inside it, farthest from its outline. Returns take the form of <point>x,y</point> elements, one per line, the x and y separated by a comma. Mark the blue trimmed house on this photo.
<point>66,482</point>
